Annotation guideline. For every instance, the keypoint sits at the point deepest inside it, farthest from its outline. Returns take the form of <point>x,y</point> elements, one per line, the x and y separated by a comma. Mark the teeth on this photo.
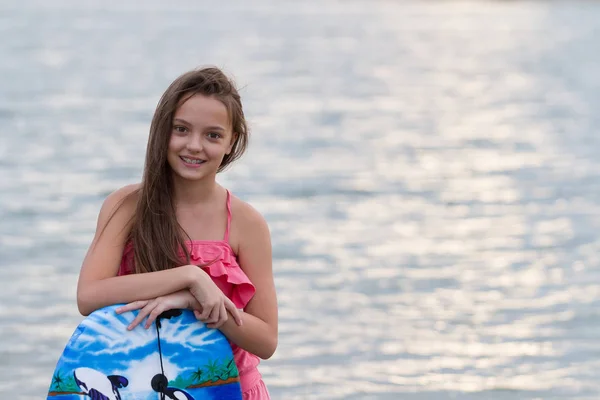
<point>191,161</point>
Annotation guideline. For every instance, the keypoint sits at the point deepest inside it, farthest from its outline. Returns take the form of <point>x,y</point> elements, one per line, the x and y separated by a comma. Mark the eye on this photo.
<point>180,129</point>
<point>214,135</point>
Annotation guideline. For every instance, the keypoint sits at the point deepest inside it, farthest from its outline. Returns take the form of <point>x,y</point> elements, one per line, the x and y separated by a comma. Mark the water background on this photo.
<point>430,171</point>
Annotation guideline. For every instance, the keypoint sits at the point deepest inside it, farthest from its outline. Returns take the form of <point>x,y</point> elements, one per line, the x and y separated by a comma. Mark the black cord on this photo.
<point>162,369</point>
<point>160,382</point>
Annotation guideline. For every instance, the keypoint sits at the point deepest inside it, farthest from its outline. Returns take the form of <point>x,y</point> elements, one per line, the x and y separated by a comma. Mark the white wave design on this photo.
<point>109,329</point>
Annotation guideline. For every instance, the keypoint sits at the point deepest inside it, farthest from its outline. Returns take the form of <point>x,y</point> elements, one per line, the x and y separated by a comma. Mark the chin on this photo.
<point>193,175</point>
<point>190,177</point>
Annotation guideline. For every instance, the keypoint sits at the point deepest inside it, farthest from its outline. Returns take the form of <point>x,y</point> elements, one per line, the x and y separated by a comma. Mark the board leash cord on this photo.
<point>159,381</point>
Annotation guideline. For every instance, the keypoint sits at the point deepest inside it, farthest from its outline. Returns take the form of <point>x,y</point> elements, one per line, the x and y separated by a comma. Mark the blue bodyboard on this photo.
<point>177,358</point>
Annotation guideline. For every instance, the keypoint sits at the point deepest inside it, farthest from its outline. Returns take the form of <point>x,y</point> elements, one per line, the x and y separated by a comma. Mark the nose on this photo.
<point>194,144</point>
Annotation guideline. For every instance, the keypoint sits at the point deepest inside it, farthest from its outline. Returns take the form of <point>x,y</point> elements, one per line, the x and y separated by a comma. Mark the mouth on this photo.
<point>192,161</point>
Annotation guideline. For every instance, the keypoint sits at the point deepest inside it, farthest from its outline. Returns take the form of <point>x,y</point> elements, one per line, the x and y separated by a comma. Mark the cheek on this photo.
<point>215,150</point>
<point>175,143</point>
<point>173,150</point>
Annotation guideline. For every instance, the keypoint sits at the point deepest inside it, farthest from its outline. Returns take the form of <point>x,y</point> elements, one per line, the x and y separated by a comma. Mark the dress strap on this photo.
<point>228,217</point>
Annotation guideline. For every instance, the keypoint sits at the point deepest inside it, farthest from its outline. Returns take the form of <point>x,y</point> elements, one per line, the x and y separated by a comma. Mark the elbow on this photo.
<point>269,349</point>
<point>84,311</point>
<point>83,304</point>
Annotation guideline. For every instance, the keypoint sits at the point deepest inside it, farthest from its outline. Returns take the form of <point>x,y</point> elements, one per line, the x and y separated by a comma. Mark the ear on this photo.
<point>234,138</point>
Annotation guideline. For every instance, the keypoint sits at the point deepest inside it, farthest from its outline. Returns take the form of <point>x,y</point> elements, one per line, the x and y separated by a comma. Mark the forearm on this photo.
<point>255,335</point>
<point>125,289</point>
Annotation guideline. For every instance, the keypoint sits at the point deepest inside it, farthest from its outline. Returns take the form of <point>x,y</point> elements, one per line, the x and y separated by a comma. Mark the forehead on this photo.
<point>202,110</point>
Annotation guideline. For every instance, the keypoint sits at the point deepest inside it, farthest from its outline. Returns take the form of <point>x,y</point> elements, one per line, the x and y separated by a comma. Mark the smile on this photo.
<point>194,161</point>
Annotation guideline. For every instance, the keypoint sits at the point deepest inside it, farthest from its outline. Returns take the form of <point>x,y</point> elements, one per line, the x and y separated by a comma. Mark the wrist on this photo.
<point>192,275</point>
<point>193,303</point>
<point>231,323</point>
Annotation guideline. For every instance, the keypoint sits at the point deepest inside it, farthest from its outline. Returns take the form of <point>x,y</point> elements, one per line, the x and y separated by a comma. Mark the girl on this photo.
<point>179,216</point>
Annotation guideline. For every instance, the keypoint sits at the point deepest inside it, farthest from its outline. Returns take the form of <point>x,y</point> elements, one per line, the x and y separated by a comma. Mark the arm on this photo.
<point>98,284</point>
<point>259,330</point>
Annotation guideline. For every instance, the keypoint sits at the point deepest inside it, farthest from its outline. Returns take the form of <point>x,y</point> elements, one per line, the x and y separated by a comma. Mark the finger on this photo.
<point>235,313</point>
<point>197,309</point>
<point>206,311</point>
<point>141,315</point>
<point>222,317</point>
<point>136,305</point>
<point>214,316</point>
<point>197,314</point>
<point>159,309</point>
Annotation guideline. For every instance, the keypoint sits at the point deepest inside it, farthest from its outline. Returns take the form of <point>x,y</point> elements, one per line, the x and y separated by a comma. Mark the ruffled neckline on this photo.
<point>222,266</point>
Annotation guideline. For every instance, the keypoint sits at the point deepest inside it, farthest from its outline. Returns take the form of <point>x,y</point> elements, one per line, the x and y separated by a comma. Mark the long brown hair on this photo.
<point>156,235</point>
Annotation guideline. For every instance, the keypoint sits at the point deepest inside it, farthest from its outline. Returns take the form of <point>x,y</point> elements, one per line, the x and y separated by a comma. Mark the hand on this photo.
<point>214,304</point>
<point>153,308</point>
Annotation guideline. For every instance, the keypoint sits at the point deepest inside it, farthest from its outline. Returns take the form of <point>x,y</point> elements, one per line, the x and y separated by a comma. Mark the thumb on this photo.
<point>235,313</point>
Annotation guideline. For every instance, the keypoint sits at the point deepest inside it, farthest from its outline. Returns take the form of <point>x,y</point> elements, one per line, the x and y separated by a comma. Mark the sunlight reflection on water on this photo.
<point>429,173</point>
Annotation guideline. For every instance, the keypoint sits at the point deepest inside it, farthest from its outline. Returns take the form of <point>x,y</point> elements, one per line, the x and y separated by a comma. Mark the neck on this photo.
<point>194,192</point>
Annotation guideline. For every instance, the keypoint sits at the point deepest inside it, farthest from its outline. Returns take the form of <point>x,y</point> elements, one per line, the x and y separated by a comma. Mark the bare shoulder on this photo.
<point>118,208</point>
<point>249,228</point>
<point>125,196</point>
<point>122,193</point>
<point>246,216</point>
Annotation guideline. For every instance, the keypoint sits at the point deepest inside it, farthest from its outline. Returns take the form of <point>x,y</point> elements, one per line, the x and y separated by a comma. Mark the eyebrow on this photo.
<point>181,121</point>
<point>213,127</point>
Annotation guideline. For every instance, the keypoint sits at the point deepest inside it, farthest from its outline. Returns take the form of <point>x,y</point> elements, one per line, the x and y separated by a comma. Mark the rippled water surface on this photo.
<point>429,170</point>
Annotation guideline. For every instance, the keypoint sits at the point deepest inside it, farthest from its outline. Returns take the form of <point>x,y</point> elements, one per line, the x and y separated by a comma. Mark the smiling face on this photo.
<point>201,136</point>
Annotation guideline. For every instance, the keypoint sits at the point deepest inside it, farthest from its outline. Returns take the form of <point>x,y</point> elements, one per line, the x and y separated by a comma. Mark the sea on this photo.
<point>430,172</point>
